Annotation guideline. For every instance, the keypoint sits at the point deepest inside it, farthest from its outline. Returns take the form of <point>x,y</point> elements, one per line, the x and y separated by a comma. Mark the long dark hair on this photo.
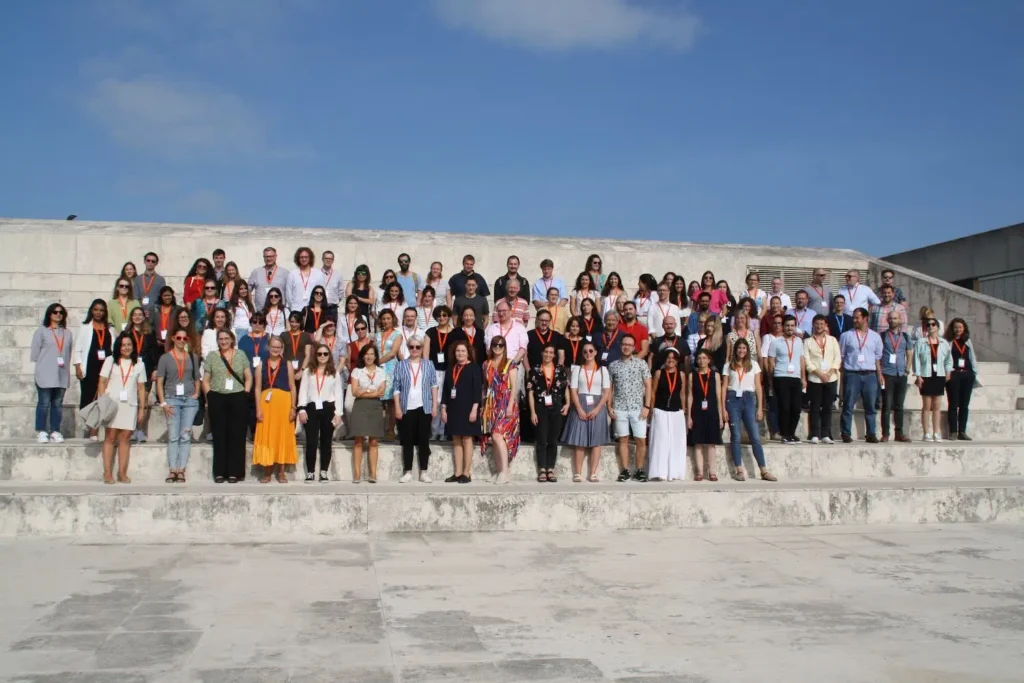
<point>106,313</point>
<point>591,285</point>
<point>247,301</point>
<point>194,342</point>
<point>649,282</point>
<point>57,307</point>
<point>163,290</point>
<point>361,268</point>
<point>323,292</point>
<point>192,270</point>
<point>607,289</point>
<point>280,299</point>
<point>950,335</point>
<point>115,351</point>
<point>679,297</point>
<point>330,369</point>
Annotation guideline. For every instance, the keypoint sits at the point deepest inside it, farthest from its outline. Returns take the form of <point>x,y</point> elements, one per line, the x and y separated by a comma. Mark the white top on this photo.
<point>600,380</point>
<point>644,306</point>
<point>277,321</point>
<point>787,303</point>
<point>240,321</point>
<point>608,305</point>
<point>658,312</point>
<point>766,344</point>
<point>407,336</point>
<point>134,375</point>
<point>208,344</point>
<point>749,379</point>
<point>760,298</point>
<point>393,306</point>
<point>425,318</point>
<point>365,382</point>
<point>330,391</point>
<point>440,290</point>
<point>858,296</point>
<point>692,340</point>
<point>414,397</point>
<point>299,287</point>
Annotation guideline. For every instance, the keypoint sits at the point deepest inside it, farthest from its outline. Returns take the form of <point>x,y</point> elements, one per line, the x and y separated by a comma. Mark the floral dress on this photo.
<point>501,411</point>
<point>385,346</point>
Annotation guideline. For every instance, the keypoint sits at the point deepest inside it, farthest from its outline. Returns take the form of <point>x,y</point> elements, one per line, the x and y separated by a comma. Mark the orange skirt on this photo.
<point>275,436</point>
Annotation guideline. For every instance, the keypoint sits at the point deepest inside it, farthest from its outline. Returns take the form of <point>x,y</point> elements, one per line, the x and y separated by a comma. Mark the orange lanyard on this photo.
<point>589,325</point>
<point>138,340</point>
<point>256,344</point>
<point>542,339</point>
<point>861,341</point>
<point>895,341</point>
<point>790,344</point>
<point>935,351</point>
<point>124,309</point>
<point>575,349</point>
<point>316,319</point>
<point>470,335</point>
<point>271,274</point>
<point>305,280</point>
<point>961,350</point>
<point>821,344</point>
<point>59,341</point>
<point>442,339</point>
<point>608,342</point>
<point>180,366</point>
<point>272,373</point>
<point>456,373</point>
<point>704,380</point>
<point>589,377</point>
<point>165,316</point>
<point>673,379</point>
<point>416,372</point>
<point>101,333</point>
<point>147,287</point>
<point>124,377</point>
<point>549,378</point>
<point>296,336</point>
<point>320,380</point>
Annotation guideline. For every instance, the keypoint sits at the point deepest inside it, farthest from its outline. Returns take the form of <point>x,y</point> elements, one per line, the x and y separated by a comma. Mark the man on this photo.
<point>662,309</point>
<point>777,291</point>
<point>660,345</point>
<point>631,402</point>
<point>857,295</point>
<point>608,346</point>
<point>471,299</point>
<point>839,322</point>
<point>787,364</point>
<point>897,359</point>
<point>410,328</point>
<point>703,306</point>
<point>270,275</point>
<point>803,315</point>
<point>219,257</point>
<point>513,331</point>
<point>520,306</point>
<point>541,336</point>
<point>302,281</point>
<point>512,264</point>
<point>770,399</point>
<point>819,295</point>
<point>880,312</point>
<point>457,282</point>
<point>410,281</point>
<point>823,363</point>
<point>861,349</point>
<point>539,294</point>
<point>630,325</point>
<point>333,283</point>
<point>149,284</point>
<point>889,278</point>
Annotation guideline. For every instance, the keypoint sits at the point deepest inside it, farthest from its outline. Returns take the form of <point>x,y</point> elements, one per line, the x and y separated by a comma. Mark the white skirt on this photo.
<point>666,458</point>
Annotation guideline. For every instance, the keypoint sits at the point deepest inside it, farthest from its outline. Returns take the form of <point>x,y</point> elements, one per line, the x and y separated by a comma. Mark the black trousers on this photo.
<point>893,396</point>
<point>549,428</point>
<point>414,433</point>
<point>823,395</point>
<point>228,424</point>
<point>319,431</point>
<point>958,393</point>
<point>790,395</point>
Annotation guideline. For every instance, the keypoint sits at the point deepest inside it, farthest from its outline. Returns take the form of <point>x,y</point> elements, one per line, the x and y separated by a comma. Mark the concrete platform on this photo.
<point>245,508</point>
<point>25,461</point>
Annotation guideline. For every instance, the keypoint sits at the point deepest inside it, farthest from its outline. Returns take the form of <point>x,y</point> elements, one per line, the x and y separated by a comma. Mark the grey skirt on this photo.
<point>586,433</point>
<point>367,418</point>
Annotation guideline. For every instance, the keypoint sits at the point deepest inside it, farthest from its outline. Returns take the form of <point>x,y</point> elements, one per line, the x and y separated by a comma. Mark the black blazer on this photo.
<point>835,328</point>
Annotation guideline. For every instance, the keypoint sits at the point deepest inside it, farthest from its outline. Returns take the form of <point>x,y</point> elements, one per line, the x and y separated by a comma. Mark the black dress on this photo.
<point>469,390</point>
<point>594,331</point>
<point>718,359</point>
<point>574,350</point>
<point>364,309</point>
<point>436,346</point>
<point>478,345</point>
<point>91,382</point>
<point>707,428</point>
<point>309,320</point>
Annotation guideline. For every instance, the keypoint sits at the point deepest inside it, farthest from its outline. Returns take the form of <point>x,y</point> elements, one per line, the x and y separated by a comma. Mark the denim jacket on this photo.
<point>923,358</point>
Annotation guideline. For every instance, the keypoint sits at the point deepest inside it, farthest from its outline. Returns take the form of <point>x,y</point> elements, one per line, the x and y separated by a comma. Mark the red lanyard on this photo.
<point>442,339</point>
<point>296,336</point>
<point>549,378</point>
<point>456,373</point>
<point>704,380</point>
<point>272,373</point>
<point>861,341</point>
<point>608,342</point>
<point>589,324</point>
<point>416,372</point>
<point>316,319</point>
<point>542,339</point>
<point>124,377</point>
<point>101,333</point>
<point>895,341</point>
<point>180,366</point>
<point>790,343</point>
<point>271,274</point>
<point>320,383</point>
<point>935,351</point>
<point>138,340</point>
<point>147,287</point>
<point>821,344</point>
<point>961,350</point>
<point>673,379</point>
<point>575,350</point>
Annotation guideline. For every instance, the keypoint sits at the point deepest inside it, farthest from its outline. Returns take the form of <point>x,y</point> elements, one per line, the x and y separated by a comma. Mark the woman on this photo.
<point>667,459</point>
<point>677,295</point>
<point>754,292</point>
<point>574,340</point>
<point>127,388</point>
<point>415,406</point>
<point>472,335</point>
<point>202,309</point>
<point>298,345</point>
<point>359,287</point>
<point>129,272</point>
<point>355,347</point>
<point>593,269</point>
<point>385,280</point>
<point>961,380</point>
<point>389,340</point>
<point>328,335</point>
<point>317,312</point>
<point>718,297</point>
<point>920,331</point>
<point>182,320</point>
<point>177,392</point>
<point>774,309</point>
<point>559,311</point>
<point>227,381</point>
<point>713,343</point>
<point>391,300</point>
<point>220,320</point>
<point>229,281</point>
<point>275,312</point>
<point>612,295</point>
<point>274,445</point>
<point>195,280</point>
<point>729,304</point>
<point>705,416</point>
<point>743,402</point>
<point>164,314</point>
<point>587,425</point>
<point>51,352</point>
<point>583,291</point>
<point>320,407</point>
<point>368,383</point>
<point>437,282</point>
<point>350,316</point>
<point>460,408</point>
<point>590,323</point>
<point>645,297</point>
<point>668,278</point>
<point>92,346</point>
<point>148,351</point>
<point>425,310</point>
<point>693,290</point>
<point>547,389</point>
<point>748,306</point>
<point>241,308</point>
<point>741,330</point>
<point>500,417</point>
<point>933,365</point>
<point>122,303</point>
<point>435,349</point>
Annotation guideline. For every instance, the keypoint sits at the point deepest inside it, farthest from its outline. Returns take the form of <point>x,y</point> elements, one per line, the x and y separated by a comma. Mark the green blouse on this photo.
<point>218,372</point>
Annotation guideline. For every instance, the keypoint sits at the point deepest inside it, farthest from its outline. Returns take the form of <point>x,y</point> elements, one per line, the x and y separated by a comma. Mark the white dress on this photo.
<point>128,409</point>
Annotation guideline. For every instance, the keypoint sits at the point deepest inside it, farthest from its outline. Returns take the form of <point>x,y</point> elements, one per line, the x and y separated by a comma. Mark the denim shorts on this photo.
<point>628,422</point>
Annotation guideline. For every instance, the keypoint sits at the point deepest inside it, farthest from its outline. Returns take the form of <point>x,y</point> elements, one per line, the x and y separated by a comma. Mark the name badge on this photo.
<point>179,389</point>
<point>453,392</point>
<point>123,398</point>
<point>860,357</point>
<point>256,360</point>
<point>145,301</point>
<point>101,354</point>
<point>739,390</point>
<point>123,325</point>
<point>790,368</point>
<point>319,405</point>
<point>824,306</point>
<point>590,399</point>
<point>163,334</point>
<point>704,404</point>
<point>604,355</point>
<point>267,398</point>
<point>440,358</point>
<point>959,363</point>
<point>589,337</point>
<point>295,364</point>
<point>547,400</point>
<point>824,365</point>
<point>935,368</point>
<point>229,384</point>
<point>892,358</point>
<point>60,362</point>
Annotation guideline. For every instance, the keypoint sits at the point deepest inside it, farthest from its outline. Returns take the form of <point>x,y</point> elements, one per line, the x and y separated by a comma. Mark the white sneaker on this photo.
<point>425,478</point>
<point>56,437</point>
<point>814,441</point>
<point>140,436</point>
<point>828,441</point>
<point>928,437</point>
<point>938,437</point>
<point>43,437</point>
<point>406,478</point>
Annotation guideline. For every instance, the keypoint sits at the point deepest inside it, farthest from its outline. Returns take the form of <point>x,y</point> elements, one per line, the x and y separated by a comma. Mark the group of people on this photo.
<point>285,352</point>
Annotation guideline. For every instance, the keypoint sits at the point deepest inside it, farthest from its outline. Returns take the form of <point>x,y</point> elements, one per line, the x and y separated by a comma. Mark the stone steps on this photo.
<point>79,460</point>
<point>60,509</point>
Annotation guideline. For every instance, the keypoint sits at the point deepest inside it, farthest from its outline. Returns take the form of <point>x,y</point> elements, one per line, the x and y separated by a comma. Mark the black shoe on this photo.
<point>640,475</point>
<point>847,438</point>
<point>310,478</point>
<point>794,439</point>
<point>452,479</point>
<point>323,476</point>
<point>871,438</point>
<point>962,436</point>
<point>623,476</point>
<point>463,479</point>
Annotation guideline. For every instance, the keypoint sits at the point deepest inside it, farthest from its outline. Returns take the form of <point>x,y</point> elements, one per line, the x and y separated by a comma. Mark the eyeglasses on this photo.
<point>322,354</point>
<point>177,338</point>
<point>319,294</point>
<point>149,260</point>
<point>499,346</point>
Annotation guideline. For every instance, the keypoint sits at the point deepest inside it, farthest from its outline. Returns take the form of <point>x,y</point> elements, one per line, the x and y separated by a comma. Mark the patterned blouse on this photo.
<point>537,383</point>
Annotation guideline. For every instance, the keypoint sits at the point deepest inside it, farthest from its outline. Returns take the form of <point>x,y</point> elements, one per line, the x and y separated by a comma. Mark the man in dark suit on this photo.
<point>838,321</point>
<point>656,358</point>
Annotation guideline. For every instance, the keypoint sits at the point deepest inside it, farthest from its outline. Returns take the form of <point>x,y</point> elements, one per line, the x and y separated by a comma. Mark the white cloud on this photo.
<point>570,24</point>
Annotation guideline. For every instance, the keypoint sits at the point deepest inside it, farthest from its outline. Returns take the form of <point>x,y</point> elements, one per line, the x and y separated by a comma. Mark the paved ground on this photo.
<point>872,604</point>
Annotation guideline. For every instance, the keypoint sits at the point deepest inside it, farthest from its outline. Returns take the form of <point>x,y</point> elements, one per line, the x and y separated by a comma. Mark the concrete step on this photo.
<point>79,460</point>
<point>61,509</point>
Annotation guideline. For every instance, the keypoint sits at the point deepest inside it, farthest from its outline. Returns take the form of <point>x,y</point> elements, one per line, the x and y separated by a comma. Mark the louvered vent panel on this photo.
<point>794,279</point>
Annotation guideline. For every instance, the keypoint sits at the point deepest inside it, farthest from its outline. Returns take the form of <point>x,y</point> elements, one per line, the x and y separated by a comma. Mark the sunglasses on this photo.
<point>590,351</point>
<point>210,289</point>
<point>58,313</point>
<point>321,354</point>
<point>360,329</point>
<point>274,296</point>
<point>149,260</point>
<point>415,348</point>
<point>320,294</point>
<point>932,325</point>
<point>122,286</point>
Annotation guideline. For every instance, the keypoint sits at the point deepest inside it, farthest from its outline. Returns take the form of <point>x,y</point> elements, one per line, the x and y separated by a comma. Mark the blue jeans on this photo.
<point>49,403</point>
<point>179,430</point>
<point>744,409</point>
<point>865,386</point>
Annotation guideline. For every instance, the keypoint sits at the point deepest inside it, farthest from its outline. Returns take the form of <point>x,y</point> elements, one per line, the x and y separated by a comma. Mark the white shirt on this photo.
<point>787,303</point>
<point>329,392</point>
<point>858,296</point>
<point>644,306</point>
<point>601,380</point>
<point>746,385</point>
<point>414,397</point>
<point>425,318</point>
<point>365,382</point>
<point>766,344</point>
<point>300,287</point>
<point>658,312</point>
<point>514,334</point>
<point>760,298</point>
<point>277,321</point>
<point>335,286</point>
<point>240,322</point>
<point>208,343</point>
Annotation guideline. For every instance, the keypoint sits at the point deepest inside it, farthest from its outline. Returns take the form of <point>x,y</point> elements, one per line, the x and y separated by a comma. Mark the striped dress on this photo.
<point>501,411</point>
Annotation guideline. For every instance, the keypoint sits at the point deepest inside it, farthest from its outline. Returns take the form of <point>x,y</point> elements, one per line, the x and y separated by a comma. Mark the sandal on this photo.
<point>181,477</point>
<point>739,474</point>
<point>577,478</point>
<point>593,479</point>
<point>542,477</point>
<point>552,477</point>
<point>124,479</point>
<point>265,479</point>
<point>767,476</point>
<point>281,479</point>
<point>712,477</point>
<point>232,480</point>
<point>699,476</point>
<point>218,480</point>
<point>171,478</point>
<point>108,478</point>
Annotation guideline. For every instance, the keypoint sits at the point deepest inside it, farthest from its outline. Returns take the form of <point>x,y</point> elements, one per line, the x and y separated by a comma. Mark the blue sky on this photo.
<point>874,125</point>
